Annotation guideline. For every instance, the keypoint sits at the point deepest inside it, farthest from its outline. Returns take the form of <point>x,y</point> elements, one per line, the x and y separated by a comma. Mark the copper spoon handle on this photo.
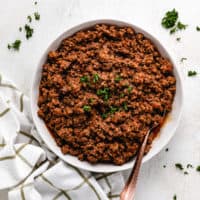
<point>128,192</point>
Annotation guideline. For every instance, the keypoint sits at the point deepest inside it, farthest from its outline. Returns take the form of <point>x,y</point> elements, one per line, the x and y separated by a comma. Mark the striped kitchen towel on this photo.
<point>30,170</point>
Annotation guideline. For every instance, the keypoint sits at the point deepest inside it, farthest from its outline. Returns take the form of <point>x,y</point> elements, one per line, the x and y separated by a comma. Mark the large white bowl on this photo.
<point>166,132</point>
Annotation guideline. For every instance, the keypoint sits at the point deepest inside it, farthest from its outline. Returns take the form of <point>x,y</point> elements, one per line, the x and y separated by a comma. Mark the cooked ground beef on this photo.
<point>101,91</point>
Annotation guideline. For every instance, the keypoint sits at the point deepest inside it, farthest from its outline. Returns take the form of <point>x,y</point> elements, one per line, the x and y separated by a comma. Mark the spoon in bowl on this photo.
<point>128,193</point>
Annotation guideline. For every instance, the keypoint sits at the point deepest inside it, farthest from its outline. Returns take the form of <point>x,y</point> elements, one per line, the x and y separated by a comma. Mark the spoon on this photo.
<point>128,193</point>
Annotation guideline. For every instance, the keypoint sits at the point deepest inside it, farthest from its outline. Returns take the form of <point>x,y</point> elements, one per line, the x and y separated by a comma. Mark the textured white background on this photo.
<point>155,182</point>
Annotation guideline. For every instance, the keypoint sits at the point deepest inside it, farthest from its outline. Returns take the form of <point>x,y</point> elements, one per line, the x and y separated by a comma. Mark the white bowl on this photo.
<point>166,132</point>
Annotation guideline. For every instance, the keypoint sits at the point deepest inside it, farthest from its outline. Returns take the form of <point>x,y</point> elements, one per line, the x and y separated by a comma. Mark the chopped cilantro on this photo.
<point>186,173</point>
<point>84,79</point>
<point>118,78</point>
<point>198,28</point>
<point>170,18</point>
<point>29,31</point>
<point>129,89</point>
<point>182,59</point>
<point>121,95</point>
<point>125,106</point>
<point>173,30</point>
<point>189,166</point>
<point>192,73</point>
<point>91,100</point>
<point>15,45</point>
<point>37,16</point>
<point>179,166</point>
<point>87,108</point>
<point>104,92</point>
<point>29,18</point>
<point>95,78</point>
<point>198,168</point>
<point>113,109</point>
<point>181,26</point>
<point>104,115</point>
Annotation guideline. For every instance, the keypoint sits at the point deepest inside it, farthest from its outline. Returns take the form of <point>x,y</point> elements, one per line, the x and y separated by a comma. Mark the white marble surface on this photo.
<point>155,182</point>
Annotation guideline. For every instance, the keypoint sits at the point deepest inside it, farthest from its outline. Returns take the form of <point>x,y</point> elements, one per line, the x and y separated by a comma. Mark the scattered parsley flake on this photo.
<point>198,168</point>
<point>182,59</point>
<point>170,18</point>
<point>192,73</point>
<point>20,29</point>
<point>186,173</point>
<point>37,16</point>
<point>178,39</point>
<point>173,30</point>
<point>84,79</point>
<point>28,30</point>
<point>87,108</point>
<point>181,26</point>
<point>29,18</point>
<point>104,115</point>
<point>198,28</point>
<point>179,166</point>
<point>129,89</point>
<point>95,78</point>
<point>125,107</point>
<point>189,166</point>
<point>104,92</point>
<point>113,110</point>
<point>164,166</point>
<point>167,149</point>
<point>35,2</point>
<point>15,45</point>
<point>122,95</point>
<point>118,78</point>
<point>174,197</point>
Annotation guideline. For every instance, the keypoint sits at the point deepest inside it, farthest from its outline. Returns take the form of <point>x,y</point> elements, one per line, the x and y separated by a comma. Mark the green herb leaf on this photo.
<point>178,39</point>
<point>174,197</point>
<point>179,166</point>
<point>173,30</point>
<point>35,3</point>
<point>15,45</point>
<point>198,168</point>
<point>84,79</point>
<point>186,173</point>
<point>29,18</point>
<point>170,18</point>
<point>104,115</point>
<point>129,89</point>
<point>87,108</point>
<point>182,59</point>
<point>29,31</point>
<point>118,78</point>
<point>192,73</point>
<point>181,26</point>
<point>95,78</point>
<point>104,92</point>
<point>37,16</point>
<point>113,109</point>
<point>125,107</point>
<point>198,28</point>
<point>189,166</point>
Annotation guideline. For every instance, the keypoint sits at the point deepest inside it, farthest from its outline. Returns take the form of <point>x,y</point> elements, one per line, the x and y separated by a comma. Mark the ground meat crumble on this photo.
<point>101,91</point>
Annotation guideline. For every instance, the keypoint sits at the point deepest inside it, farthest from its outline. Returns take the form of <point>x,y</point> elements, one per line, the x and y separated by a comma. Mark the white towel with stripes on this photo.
<point>30,170</point>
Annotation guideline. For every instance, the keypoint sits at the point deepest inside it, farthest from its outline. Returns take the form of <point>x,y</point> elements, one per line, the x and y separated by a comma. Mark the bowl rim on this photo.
<point>74,29</point>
